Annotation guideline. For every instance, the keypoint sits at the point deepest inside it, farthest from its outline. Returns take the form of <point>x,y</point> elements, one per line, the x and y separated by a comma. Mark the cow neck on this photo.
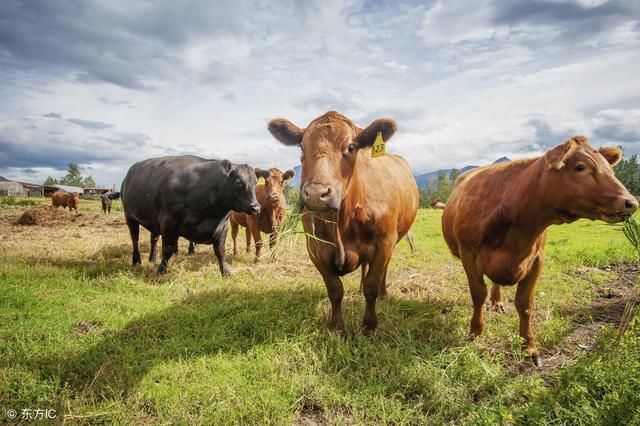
<point>530,211</point>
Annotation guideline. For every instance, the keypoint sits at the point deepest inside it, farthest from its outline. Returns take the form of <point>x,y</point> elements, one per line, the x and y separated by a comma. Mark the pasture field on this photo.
<point>101,342</point>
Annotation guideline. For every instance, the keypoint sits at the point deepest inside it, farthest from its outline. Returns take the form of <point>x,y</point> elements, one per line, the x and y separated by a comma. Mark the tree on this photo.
<point>50,181</point>
<point>73,176</point>
<point>454,175</point>
<point>88,182</point>
<point>628,171</point>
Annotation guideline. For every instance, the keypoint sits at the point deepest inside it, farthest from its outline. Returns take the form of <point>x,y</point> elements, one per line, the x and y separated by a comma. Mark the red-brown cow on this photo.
<point>272,209</point>
<point>65,199</point>
<point>497,217</point>
<point>358,207</point>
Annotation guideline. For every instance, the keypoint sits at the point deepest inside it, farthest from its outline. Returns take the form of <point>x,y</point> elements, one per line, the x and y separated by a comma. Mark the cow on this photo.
<point>186,196</point>
<point>66,199</point>
<point>272,210</point>
<point>496,219</point>
<point>356,208</point>
<point>437,204</point>
<point>107,199</point>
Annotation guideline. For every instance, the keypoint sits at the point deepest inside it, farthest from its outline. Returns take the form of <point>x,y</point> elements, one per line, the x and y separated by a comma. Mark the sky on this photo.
<point>107,83</point>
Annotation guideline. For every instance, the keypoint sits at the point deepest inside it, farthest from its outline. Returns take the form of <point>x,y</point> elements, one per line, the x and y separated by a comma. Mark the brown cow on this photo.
<point>496,219</point>
<point>272,209</point>
<point>65,199</point>
<point>357,207</point>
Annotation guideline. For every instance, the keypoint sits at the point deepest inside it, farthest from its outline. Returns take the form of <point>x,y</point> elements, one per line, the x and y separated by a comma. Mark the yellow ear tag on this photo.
<point>378,149</point>
<point>260,181</point>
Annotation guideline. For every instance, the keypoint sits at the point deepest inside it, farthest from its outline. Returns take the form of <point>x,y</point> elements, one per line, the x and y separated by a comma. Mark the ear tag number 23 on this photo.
<point>378,149</point>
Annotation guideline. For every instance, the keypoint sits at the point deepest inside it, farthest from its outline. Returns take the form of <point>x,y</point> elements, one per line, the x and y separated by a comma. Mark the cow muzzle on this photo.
<point>623,207</point>
<point>254,208</point>
<point>320,197</point>
<point>273,197</point>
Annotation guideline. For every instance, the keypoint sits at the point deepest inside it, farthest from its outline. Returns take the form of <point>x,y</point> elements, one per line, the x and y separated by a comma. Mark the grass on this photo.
<point>105,343</point>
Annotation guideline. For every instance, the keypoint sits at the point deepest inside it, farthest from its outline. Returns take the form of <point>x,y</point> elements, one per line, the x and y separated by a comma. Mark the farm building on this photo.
<point>32,189</point>
<point>92,193</point>
<point>11,188</point>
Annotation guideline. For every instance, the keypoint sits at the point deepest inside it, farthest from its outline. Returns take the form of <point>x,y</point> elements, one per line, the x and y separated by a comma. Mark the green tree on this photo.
<point>454,175</point>
<point>73,176</point>
<point>628,171</point>
<point>50,181</point>
<point>88,182</point>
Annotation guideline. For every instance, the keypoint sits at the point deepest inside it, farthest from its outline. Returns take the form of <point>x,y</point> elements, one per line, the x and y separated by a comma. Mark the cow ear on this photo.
<point>558,156</point>
<point>367,137</point>
<point>227,167</point>
<point>285,131</point>
<point>288,175</point>
<point>261,173</point>
<point>612,154</point>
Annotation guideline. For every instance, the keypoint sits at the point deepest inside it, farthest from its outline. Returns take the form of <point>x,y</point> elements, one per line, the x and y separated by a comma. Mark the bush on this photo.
<point>13,201</point>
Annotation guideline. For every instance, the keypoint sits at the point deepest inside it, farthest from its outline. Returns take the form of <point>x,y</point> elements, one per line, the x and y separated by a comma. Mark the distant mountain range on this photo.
<point>422,179</point>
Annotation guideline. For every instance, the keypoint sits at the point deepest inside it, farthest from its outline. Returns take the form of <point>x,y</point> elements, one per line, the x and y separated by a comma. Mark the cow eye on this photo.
<point>351,148</point>
<point>580,167</point>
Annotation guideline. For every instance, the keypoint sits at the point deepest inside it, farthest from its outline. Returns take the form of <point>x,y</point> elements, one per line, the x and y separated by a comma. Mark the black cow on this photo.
<point>186,196</point>
<point>106,199</point>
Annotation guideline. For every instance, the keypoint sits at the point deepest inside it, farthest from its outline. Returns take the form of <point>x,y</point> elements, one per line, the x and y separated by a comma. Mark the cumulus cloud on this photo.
<point>107,83</point>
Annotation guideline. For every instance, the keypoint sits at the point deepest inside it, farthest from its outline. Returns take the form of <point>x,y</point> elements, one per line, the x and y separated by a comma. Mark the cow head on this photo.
<point>274,184</point>
<point>241,187</point>
<point>330,147</point>
<point>582,183</point>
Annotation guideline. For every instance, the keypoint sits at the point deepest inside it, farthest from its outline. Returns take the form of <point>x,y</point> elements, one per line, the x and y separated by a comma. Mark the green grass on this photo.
<point>101,342</point>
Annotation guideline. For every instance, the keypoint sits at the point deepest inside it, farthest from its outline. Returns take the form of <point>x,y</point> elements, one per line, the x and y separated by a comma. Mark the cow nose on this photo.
<point>273,197</point>
<point>630,205</point>
<point>316,196</point>
<point>255,208</point>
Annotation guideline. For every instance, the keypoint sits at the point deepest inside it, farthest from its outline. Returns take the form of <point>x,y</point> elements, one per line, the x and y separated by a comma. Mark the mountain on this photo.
<point>422,179</point>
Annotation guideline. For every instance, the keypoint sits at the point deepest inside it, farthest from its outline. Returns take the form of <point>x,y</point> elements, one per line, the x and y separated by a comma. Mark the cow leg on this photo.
<point>371,288</point>
<point>255,231</point>
<point>364,270</point>
<point>524,306</point>
<point>496,298</point>
<point>134,230</point>
<point>234,237</point>
<point>273,238</point>
<point>169,248</point>
<point>335,291</point>
<point>154,244</point>
<point>192,248</point>
<point>478,290</point>
<point>247,235</point>
<point>383,286</point>
<point>218,249</point>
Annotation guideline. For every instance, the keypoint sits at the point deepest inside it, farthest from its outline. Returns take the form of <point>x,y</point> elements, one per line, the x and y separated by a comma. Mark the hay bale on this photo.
<point>44,215</point>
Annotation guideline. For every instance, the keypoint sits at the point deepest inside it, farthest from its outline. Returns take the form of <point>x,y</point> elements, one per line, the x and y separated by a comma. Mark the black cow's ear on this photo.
<point>227,167</point>
<point>288,175</point>
<point>285,131</point>
<point>367,137</point>
<point>262,173</point>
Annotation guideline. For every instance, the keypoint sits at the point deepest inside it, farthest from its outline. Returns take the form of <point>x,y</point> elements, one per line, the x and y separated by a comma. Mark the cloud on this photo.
<point>52,115</point>
<point>88,124</point>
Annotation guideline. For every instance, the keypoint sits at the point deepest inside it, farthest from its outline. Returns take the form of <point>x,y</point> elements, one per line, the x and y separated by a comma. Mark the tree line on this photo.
<point>72,178</point>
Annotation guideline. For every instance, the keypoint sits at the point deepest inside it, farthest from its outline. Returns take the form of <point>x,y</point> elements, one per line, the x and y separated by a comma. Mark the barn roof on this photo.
<point>67,188</point>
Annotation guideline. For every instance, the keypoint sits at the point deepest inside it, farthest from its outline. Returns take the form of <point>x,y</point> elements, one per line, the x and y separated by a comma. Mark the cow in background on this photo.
<point>272,210</point>
<point>496,219</point>
<point>186,196</point>
<point>437,204</point>
<point>107,199</point>
<point>66,199</point>
<point>356,208</point>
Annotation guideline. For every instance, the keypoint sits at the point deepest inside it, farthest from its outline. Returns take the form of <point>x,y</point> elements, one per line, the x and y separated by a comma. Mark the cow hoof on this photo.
<point>226,273</point>
<point>338,330</point>
<point>536,359</point>
<point>369,328</point>
<point>161,270</point>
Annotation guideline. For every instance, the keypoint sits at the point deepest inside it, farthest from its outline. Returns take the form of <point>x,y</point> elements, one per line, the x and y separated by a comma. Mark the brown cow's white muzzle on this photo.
<point>273,197</point>
<point>320,197</point>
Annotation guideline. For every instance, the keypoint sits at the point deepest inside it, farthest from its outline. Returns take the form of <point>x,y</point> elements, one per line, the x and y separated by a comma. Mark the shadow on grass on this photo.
<point>233,321</point>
